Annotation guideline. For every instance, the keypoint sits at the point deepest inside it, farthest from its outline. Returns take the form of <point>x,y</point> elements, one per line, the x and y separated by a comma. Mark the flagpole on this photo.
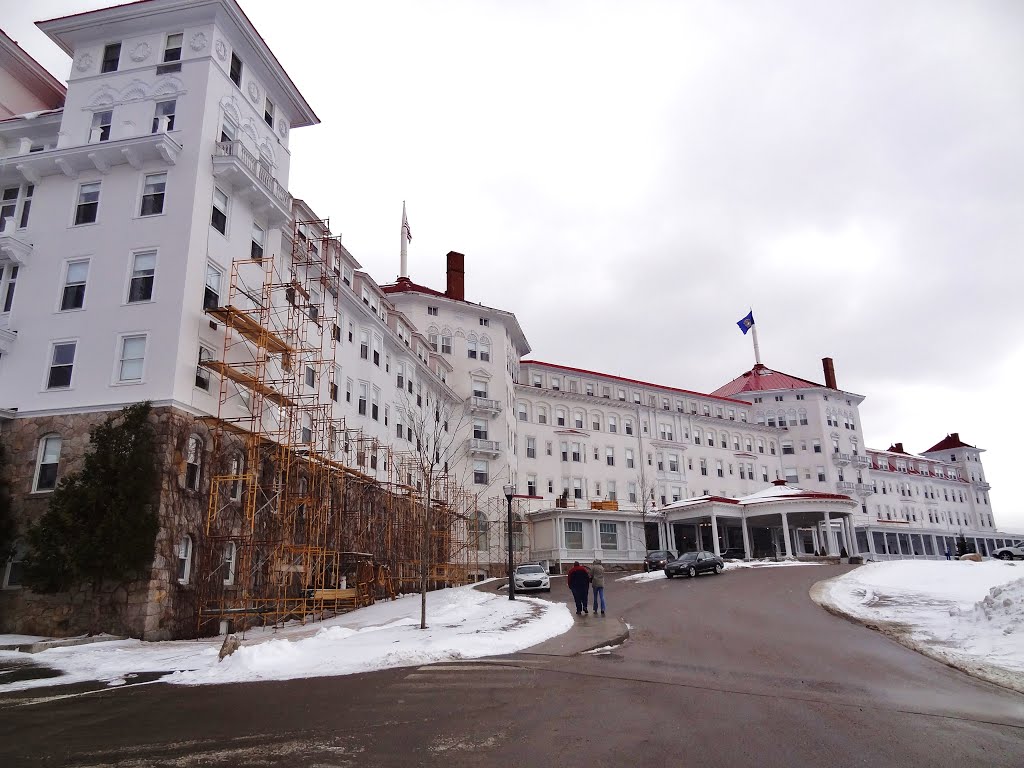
<point>757,350</point>
<point>405,255</point>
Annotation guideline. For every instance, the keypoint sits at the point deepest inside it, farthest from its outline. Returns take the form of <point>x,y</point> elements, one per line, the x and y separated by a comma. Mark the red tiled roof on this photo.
<point>761,379</point>
<point>949,442</point>
<point>628,381</point>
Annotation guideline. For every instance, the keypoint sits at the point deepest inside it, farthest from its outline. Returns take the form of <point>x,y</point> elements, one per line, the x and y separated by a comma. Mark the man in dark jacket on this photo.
<point>579,585</point>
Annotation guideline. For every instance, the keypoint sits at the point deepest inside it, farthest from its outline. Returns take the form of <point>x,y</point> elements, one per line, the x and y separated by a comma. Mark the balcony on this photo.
<point>865,489</point>
<point>485,447</point>
<point>7,337</point>
<point>982,484</point>
<point>13,248</point>
<point>240,168</point>
<point>861,461</point>
<point>136,151</point>
<point>842,459</point>
<point>484,405</point>
<point>845,486</point>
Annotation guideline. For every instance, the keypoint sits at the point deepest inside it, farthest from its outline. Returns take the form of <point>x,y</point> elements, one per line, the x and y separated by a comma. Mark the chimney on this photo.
<point>456,276</point>
<point>956,436</point>
<point>830,372</point>
<point>899,448</point>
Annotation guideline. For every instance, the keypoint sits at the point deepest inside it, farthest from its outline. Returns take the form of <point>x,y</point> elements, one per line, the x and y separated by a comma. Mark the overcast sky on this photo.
<point>630,178</point>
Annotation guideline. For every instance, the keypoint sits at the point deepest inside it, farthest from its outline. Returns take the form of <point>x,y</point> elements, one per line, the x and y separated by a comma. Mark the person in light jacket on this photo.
<point>597,582</point>
<point>579,585</point>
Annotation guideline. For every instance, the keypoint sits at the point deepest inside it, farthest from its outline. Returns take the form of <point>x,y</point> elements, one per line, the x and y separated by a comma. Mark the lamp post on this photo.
<point>510,491</point>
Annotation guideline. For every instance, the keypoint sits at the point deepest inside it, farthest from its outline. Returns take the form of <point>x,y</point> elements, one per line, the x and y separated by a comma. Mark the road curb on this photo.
<point>899,633</point>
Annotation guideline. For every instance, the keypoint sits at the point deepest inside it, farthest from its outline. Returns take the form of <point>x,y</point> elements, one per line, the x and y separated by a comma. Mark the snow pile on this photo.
<point>730,565</point>
<point>462,623</point>
<point>968,615</point>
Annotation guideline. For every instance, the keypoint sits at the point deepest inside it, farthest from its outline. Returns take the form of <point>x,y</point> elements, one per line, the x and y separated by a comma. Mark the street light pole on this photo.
<point>510,491</point>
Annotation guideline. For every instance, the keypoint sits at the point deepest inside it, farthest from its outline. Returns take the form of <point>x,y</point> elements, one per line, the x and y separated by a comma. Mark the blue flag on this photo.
<point>747,322</point>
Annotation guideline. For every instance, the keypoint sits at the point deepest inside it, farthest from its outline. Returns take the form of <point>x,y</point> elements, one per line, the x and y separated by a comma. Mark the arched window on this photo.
<point>577,419</point>
<point>595,421</point>
<point>627,426</point>
<point>736,442</point>
<point>47,463</point>
<point>724,437</point>
<point>193,462</point>
<point>772,448</point>
<point>560,417</point>
<point>522,412</point>
<point>542,414</point>
<point>711,438</point>
<point>803,417</point>
<point>184,559</point>
<point>485,349</point>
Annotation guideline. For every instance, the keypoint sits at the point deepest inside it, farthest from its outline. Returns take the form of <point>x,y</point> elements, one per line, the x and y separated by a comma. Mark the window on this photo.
<point>140,286</point>
<point>132,357</point>
<point>219,215</point>
<point>479,429</point>
<point>8,279</point>
<point>203,373</point>
<point>480,472</point>
<point>787,448</point>
<point>560,417</point>
<point>609,535</point>
<point>364,396</point>
<point>61,364</point>
<point>47,463</point>
<point>100,129</point>
<point>375,405</point>
<point>542,415</point>
<point>235,72</point>
<point>531,485</point>
<point>268,113</point>
<point>521,413</point>
<point>446,344</point>
<point>613,424</point>
<point>153,194</point>
<point>13,570</point>
<point>211,292</point>
<point>163,116</point>
<point>73,295</point>
<point>485,351</point>
<point>574,534</point>
<point>628,425</point>
<point>88,203</point>
<point>228,129</point>
<point>471,348</point>
<point>172,48</point>
<point>432,311</point>
<point>193,463</point>
<point>821,474</point>
<point>610,457</point>
<point>229,557</point>
<point>364,345</point>
<point>630,462</point>
<point>111,56</point>
<point>184,559</point>
<point>259,236</point>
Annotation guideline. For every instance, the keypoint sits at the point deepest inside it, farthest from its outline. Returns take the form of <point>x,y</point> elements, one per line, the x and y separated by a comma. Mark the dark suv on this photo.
<point>734,553</point>
<point>656,559</point>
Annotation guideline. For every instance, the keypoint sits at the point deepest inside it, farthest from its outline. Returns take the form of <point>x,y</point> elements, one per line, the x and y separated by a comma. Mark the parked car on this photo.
<point>1009,553</point>
<point>734,553</point>
<point>530,577</point>
<point>693,564</point>
<point>657,558</point>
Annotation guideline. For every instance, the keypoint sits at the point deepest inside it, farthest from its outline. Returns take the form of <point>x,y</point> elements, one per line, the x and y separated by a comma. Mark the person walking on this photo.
<point>597,582</point>
<point>579,585</point>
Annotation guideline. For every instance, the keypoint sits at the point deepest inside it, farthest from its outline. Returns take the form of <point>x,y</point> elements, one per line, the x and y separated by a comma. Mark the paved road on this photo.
<point>738,669</point>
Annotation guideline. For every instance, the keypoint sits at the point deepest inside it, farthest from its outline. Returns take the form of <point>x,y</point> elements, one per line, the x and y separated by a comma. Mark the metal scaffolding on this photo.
<point>306,516</point>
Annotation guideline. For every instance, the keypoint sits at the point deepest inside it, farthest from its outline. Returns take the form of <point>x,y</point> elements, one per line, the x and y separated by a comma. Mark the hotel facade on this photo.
<point>147,219</point>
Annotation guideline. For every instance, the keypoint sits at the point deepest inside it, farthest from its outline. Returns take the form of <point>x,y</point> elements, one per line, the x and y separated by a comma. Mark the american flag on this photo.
<point>406,232</point>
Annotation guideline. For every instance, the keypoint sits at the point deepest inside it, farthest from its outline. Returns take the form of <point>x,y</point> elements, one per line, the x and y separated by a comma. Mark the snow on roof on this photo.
<point>773,492</point>
<point>760,378</point>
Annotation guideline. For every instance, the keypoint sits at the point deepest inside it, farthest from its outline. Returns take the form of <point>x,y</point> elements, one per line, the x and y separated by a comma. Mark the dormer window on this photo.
<point>111,57</point>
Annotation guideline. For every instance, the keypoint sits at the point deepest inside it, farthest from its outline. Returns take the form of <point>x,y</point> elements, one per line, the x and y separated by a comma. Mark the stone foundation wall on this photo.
<point>155,607</point>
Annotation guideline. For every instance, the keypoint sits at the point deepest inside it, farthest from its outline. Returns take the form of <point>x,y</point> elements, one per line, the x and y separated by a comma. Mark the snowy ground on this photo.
<point>731,565</point>
<point>462,623</point>
<point>968,615</point>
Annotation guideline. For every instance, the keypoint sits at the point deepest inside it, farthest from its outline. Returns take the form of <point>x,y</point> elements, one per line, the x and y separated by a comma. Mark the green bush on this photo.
<point>102,521</point>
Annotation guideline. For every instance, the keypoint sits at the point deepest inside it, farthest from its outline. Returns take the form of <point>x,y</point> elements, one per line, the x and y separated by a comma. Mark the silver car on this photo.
<point>530,577</point>
<point>1009,553</point>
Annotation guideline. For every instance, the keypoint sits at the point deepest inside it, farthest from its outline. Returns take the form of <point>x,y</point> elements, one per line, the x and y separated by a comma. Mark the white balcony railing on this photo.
<point>865,489</point>
<point>479,445</point>
<point>484,404</point>
<point>845,486</point>
<point>841,458</point>
<point>231,157</point>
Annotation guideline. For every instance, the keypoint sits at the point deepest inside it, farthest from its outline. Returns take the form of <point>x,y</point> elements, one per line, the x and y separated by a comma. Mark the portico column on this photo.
<point>830,537</point>
<point>854,547</point>
<point>785,534</point>
<point>597,536</point>
<point>714,535</point>
<point>747,553</point>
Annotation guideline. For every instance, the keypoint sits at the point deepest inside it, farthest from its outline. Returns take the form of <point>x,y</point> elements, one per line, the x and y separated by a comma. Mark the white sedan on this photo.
<point>529,577</point>
<point>1009,553</point>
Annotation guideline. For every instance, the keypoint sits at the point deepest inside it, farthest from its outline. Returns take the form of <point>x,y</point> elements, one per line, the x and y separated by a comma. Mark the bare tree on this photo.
<point>436,421</point>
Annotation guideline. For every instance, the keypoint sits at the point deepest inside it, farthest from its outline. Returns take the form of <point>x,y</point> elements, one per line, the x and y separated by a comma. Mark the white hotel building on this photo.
<point>135,207</point>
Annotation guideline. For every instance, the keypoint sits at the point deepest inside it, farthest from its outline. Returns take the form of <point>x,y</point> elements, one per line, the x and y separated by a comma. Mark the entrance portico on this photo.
<point>779,520</point>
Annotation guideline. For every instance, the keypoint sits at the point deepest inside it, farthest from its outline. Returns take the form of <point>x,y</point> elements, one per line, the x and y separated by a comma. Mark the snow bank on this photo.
<point>730,565</point>
<point>968,615</point>
<point>462,623</point>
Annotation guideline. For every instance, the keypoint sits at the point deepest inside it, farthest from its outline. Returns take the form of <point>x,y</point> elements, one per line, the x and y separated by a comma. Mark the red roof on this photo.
<point>405,285</point>
<point>949,442</point>
<point>761,379</point>
<point>628,381</point>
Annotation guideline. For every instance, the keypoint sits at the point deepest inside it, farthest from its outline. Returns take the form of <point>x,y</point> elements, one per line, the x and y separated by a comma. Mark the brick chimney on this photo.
<point>456,276</point>
<point>956,436</point>
<point>898,448</point>
<point>830,372</point>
